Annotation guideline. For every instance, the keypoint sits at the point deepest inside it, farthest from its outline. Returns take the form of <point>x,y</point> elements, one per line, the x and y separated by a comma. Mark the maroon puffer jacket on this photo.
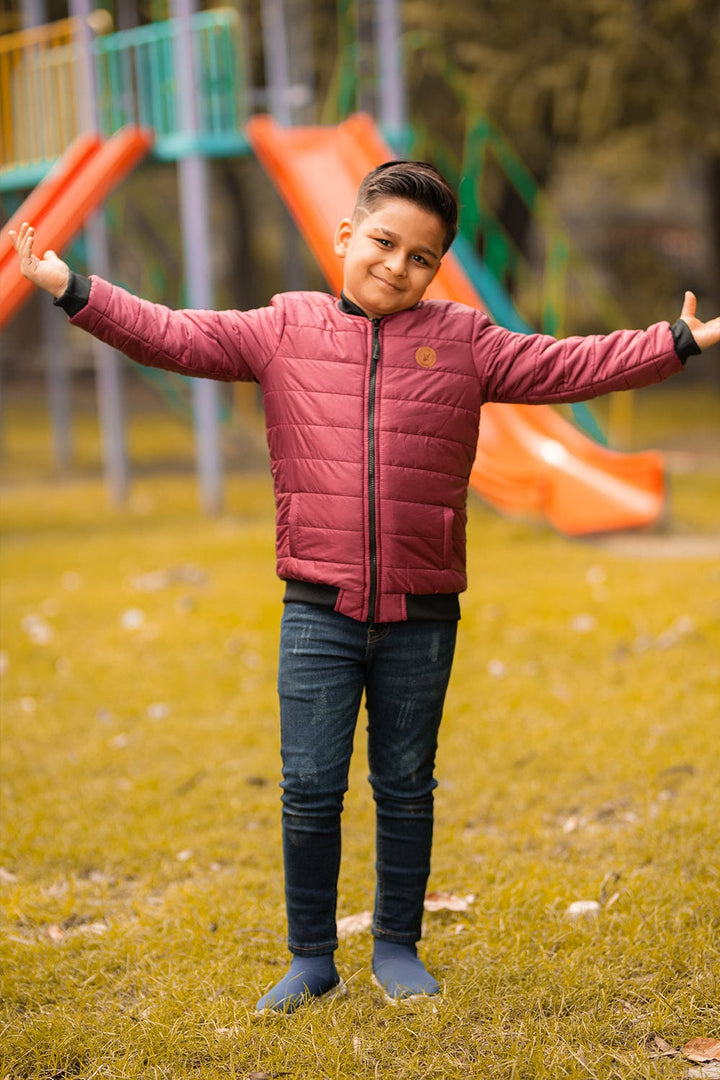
<point>373,424</point>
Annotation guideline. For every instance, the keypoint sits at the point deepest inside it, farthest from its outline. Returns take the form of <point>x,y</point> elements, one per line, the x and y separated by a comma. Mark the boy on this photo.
<point>372,408</point>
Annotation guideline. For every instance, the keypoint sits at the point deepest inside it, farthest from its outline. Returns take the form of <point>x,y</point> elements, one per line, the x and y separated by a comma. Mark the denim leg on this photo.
<point>320,684</point>
<point>406,684</point>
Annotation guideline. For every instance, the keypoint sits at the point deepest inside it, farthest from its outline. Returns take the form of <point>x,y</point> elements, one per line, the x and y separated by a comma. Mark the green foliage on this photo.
<point>583,71</point>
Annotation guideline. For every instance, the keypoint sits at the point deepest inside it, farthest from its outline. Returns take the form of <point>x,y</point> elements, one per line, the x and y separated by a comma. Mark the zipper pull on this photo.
<point>376,339</point>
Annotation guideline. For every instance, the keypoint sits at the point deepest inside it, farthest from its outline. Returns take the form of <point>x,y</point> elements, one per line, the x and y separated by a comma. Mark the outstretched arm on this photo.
<point>705,333</point>
<point>49,273</point>
<point>225,345</point>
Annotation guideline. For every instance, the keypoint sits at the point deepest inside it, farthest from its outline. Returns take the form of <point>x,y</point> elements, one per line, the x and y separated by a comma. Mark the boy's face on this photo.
<point>391,256</point>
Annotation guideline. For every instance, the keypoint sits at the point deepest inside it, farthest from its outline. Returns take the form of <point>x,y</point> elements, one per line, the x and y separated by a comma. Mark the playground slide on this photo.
<point>59,206</point>
<point>530,460</point>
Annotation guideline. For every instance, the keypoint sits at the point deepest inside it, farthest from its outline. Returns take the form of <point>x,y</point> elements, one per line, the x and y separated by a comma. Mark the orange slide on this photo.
<point>530,460</point>
<point>61,203</point>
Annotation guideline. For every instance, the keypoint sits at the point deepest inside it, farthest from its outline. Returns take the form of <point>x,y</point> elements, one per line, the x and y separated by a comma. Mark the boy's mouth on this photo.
<point>386,284</point>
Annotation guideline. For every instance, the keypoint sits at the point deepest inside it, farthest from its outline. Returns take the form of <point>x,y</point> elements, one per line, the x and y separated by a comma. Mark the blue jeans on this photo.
<point>326,661</point>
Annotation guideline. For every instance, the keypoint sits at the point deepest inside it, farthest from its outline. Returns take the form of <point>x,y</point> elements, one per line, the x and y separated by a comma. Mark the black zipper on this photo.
<point>372,526</point>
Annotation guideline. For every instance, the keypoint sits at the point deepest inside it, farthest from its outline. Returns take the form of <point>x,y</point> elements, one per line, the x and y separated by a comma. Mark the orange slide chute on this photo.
<point>530,460</point>
<point>59,206</point>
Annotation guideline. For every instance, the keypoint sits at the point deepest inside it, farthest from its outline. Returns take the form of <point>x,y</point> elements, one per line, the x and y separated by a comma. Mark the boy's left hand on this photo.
<point>705,333</point>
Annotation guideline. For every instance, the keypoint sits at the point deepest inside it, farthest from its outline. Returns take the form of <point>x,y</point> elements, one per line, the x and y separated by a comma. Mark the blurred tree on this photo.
<point>637,79</point>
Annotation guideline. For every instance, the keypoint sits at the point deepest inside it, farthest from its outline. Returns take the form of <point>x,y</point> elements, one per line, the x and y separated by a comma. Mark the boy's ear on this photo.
<point>343,235</point>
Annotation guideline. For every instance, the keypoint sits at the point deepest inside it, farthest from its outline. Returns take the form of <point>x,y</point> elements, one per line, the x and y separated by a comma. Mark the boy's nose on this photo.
<point>395,262</point>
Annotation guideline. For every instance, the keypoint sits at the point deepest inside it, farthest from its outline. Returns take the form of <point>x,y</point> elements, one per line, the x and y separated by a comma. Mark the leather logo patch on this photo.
<point>425,356</point>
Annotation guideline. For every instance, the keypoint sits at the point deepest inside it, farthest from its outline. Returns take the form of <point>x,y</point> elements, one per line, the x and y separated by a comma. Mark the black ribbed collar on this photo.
<point>349,307</point>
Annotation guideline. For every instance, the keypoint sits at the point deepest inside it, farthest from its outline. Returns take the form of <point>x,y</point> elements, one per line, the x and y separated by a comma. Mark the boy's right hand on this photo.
<point>49,273</point>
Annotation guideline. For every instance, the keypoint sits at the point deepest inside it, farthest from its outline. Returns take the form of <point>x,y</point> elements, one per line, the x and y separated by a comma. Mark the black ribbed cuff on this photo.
<point>76,296</point>
<point>685,343</point>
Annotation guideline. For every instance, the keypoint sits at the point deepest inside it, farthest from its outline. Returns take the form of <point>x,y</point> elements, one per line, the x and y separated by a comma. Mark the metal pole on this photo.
<point>393,103</point>
<point>126,15</point>
<point>277,68</point>
<point>194,217</point>
<point>57,373</point>
<point>108,362</point>
<point>366,56</point>
<point>32,13</point>
<point>57,376</point>
<point>109,377</point>
<point>277,78</point>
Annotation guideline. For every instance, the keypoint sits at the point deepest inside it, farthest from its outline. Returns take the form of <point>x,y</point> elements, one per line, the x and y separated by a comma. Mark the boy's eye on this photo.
<point>421,260</point>
<point>382,240</point>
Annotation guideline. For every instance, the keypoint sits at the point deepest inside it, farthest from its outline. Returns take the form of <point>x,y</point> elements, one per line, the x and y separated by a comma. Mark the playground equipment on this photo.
<point>135,80</point>
<point>530,460</point>
<point>76,186</point>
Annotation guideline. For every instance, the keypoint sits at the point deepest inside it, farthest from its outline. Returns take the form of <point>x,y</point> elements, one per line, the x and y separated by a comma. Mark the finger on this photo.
<point>16,237</point>
<point>689,306</point>
<point>23,240</point>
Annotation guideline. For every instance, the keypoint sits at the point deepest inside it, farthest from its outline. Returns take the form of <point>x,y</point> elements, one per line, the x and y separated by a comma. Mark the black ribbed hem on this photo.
<point>307,592</point>
<point>434,607</point>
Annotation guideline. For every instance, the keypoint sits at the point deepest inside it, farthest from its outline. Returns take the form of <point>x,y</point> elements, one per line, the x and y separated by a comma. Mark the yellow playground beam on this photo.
<point>38,97</point>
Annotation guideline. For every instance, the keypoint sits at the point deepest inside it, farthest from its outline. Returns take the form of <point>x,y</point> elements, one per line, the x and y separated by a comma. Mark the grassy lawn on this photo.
<point>140,870</point>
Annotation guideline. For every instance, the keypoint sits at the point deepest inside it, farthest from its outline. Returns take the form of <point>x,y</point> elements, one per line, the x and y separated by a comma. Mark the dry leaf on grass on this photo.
<point>702,1050</point>
<point>38,629</point>
<point>154,580</point>
<point>704,1072</point>
<point>444,901</point>
<point>354,924</point>
<point>659,1047</point>
<point>75,924</point>
<point>608,894</point>
<point>132,619</point>
<point>583,909</point>
<point>99,926</point>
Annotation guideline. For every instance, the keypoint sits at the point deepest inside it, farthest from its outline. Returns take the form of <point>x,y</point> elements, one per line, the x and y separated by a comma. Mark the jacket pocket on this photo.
<point>292,520</point>
<point>302,527</point>
<point>283,526</point>
<point>448,531</point>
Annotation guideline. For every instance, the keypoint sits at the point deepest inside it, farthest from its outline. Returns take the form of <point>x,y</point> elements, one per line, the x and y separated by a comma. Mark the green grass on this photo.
<point>141,888</point>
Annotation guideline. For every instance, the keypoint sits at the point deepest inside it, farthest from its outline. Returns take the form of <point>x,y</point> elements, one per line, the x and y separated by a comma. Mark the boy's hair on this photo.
<point>416,181</point>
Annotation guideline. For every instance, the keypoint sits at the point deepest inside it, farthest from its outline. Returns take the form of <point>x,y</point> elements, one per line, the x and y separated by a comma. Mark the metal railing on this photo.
<point>136,75</point>
<point>38,93</point>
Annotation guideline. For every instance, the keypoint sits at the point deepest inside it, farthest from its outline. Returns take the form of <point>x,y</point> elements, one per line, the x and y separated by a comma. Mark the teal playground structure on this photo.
<point>181,90</point>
